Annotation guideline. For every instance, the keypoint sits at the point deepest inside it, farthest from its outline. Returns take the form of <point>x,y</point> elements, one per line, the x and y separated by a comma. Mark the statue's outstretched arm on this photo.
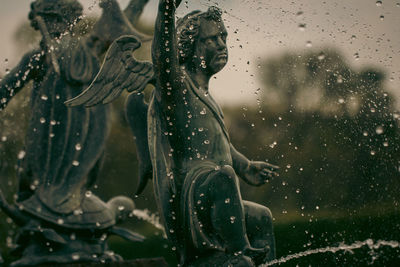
<point>252,172</point>
<point>240,162</point>
<point>14,81</point>
<point>164,48</point>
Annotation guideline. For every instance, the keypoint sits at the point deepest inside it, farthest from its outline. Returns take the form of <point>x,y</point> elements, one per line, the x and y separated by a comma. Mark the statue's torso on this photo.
<point>200,133</point>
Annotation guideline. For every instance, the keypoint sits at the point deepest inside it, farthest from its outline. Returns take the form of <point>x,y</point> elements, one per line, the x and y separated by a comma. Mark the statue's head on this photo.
<point>202,40</point>
<point>59,15</point>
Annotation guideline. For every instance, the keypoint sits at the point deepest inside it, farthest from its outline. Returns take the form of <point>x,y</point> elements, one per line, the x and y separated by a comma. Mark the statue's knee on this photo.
<point>267,214</point>
<point>257,214</point>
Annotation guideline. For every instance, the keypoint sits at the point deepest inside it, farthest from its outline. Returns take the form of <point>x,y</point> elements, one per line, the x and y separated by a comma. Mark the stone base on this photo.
<point>151,262</point>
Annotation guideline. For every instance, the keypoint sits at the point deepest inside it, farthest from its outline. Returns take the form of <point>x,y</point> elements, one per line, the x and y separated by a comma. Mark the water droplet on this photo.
<point>4,138</point>
<point>203,111</point>
<point>78,146</point>
<point>308,44</point>
<point>385,144</point>
<point>232,218</point>
<point>356,56</point>
<point>103,236</point>
<point>379,130</point>
<point>207,142</point>
<point>60,221</point>
<point>373,152</point>
<point>297,190</point>
<point>378,3</point>
<point>75,257</point>
<point>21,154</point>
<point>88,193</point>
<point>75,163</point>
<point>78,212</point>
<point>382,17</point>
<point>302,27</point>
<point>341,100</point>
<point>227,201</point>
<point>72,236</point>
<point>44,97</point>
<point>42,120</point>
<point>121,208</point>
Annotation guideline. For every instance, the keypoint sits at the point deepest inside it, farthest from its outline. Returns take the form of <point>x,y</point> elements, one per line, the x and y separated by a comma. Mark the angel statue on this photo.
<point>60,219</point>
<point>181,132</point>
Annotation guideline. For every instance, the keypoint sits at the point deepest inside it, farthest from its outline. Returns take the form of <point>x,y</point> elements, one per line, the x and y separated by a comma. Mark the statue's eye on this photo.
<point>223,37</point>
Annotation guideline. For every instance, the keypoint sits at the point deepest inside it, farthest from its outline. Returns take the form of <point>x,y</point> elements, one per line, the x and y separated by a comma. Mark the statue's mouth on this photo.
<point>222,56</point>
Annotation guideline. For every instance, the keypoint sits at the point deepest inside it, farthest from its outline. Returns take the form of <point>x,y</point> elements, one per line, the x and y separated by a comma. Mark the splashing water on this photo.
<point>349,248</point>
<point>147,216</point>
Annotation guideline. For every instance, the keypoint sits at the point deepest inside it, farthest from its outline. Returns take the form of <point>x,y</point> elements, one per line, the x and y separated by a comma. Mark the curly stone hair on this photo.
<point>188,30</point>
<point>66,10</point>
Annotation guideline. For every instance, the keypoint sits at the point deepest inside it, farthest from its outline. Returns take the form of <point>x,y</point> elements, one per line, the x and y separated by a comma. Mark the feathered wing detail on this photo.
<point>119,71</point>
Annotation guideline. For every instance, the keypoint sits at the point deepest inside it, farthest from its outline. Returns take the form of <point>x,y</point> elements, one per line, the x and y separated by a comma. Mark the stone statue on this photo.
<point>61,220</point>
<point>195,167</point>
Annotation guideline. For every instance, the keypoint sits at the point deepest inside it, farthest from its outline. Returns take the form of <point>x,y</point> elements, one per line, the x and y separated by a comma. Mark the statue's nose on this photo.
<point>221,43</point>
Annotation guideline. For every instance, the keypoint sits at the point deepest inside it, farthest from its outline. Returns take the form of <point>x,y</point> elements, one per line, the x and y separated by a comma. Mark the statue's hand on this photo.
<point>259,172</point>
<point>177,2</point>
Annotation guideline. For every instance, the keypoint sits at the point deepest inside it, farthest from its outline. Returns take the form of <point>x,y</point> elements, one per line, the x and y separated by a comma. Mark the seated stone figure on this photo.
<point>195,167</point>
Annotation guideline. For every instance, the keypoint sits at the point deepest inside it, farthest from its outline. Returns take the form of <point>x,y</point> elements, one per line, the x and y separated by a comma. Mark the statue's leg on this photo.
<point>259,227</point>
<point>225,210</point>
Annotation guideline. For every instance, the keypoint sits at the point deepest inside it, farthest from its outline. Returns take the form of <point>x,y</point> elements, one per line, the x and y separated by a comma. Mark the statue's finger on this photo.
<point>269,172</point>
<point>272,166</point>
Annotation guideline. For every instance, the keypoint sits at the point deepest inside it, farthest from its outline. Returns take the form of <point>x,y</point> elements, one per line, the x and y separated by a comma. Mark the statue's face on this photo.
<point>211,51</point>
<point>56,25</point>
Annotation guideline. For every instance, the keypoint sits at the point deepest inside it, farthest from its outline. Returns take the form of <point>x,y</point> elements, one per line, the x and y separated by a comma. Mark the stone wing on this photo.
<point>119,71</point>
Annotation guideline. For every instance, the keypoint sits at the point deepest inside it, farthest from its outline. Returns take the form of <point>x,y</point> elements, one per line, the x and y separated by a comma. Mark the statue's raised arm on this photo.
<point>164,48</point>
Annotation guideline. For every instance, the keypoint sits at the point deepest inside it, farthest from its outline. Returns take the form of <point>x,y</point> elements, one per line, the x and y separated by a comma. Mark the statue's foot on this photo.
<point>258,255</point>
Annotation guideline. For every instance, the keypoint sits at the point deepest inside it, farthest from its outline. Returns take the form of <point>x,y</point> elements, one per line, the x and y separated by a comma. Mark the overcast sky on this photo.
<point>263,29</point>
